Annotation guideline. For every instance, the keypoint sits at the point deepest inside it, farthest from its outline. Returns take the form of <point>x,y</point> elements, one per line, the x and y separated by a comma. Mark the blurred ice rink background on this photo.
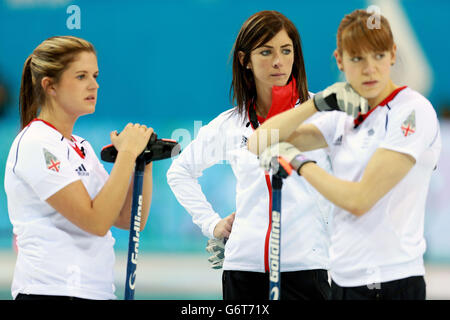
<point>166,64</point>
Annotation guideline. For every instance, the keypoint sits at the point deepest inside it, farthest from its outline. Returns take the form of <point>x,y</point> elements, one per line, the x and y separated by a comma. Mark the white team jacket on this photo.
<point>386,243</point>
<point>55,256</point>
<point>305,213</point>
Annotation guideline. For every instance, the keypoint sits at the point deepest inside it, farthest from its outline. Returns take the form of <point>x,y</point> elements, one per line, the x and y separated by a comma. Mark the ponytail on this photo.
<point>49,59</point>
<point>28,107</point>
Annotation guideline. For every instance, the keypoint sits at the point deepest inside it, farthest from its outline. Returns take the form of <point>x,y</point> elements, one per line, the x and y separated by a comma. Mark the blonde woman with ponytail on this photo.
<point>61,201</point>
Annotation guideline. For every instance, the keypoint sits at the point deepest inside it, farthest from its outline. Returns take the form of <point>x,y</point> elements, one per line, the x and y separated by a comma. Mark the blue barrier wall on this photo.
<point>166,64</point>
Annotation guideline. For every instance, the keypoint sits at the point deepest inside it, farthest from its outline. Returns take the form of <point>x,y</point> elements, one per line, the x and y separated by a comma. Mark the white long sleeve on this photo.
<point>305,213</point>
<point>206,150</point>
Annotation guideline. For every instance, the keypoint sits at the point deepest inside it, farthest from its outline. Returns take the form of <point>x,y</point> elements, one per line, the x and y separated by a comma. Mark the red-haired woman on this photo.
<point>268,78</point>
<point>382,163</point>
<point>61,201</point>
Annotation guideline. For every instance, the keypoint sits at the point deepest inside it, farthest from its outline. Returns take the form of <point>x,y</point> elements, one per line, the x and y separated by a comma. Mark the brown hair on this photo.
<point>49,59</point>
<point>357,33</point>
<point>255,32</point>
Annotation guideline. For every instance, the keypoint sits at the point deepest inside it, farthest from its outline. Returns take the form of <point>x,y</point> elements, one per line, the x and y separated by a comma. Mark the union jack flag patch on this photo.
<point>51,161</point>
<point>409,125</point>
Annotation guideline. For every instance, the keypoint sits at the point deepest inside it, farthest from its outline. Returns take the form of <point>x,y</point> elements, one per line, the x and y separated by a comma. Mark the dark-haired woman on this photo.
<point>268,78</point>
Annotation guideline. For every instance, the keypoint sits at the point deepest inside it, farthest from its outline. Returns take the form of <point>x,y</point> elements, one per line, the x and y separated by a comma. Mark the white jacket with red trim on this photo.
<point>55,257</point>
<point>305,213</point>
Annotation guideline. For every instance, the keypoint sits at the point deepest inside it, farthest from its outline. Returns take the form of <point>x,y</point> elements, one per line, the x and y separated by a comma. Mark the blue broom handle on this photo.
<point>135,225</point>
<point>275,240</point>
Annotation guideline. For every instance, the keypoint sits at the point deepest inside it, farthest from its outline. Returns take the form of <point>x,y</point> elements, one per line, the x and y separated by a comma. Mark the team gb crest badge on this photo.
<point>409,125</point>
<point>51,161</point>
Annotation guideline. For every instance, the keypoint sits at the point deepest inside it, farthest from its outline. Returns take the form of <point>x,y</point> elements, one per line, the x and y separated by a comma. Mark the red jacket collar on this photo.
<point>361,117</point>
<point>50,125</point>
<point>283,98</point>
<point>47,123</point>
<point>72,143</point>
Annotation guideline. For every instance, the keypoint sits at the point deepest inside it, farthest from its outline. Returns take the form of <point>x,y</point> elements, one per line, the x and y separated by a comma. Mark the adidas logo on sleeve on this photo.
<point>81,170</point>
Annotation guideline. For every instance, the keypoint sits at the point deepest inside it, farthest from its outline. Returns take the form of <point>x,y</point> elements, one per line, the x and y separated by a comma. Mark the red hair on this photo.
<point>357,33</point>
